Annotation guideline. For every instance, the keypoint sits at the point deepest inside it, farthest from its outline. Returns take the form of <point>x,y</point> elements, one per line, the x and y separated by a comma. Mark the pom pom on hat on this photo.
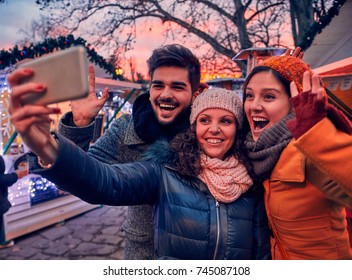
<point>218,98</point>
<point>291,68</point>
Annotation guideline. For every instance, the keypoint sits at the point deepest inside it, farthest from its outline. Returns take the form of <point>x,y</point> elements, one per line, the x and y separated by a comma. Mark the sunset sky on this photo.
<point>17,15</point>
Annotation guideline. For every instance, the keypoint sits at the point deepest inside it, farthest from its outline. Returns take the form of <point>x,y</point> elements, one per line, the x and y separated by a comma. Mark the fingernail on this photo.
<point>57,110</point>
<point>40,87</point>
<point>28,71</point>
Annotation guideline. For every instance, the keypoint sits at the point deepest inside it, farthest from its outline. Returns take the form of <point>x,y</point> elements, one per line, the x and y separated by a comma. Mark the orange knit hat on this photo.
<point>291,68</point>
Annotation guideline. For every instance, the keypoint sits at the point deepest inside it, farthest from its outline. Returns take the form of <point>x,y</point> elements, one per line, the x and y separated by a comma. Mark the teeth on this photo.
<point>214,141</point>
<point>167,106</point>
<point>259,119</point>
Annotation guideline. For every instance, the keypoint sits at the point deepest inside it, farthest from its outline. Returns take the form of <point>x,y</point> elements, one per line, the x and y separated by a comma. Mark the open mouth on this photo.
<point>167,107</point>
<point>259,123</point>
<point>214,141</point>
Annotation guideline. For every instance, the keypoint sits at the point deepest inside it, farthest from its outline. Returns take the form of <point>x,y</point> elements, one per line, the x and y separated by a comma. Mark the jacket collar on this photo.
<point>290,166</point>
<point>131,137</point>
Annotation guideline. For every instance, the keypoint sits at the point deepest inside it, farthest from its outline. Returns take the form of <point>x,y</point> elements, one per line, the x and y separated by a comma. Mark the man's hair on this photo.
<point>179,56</point>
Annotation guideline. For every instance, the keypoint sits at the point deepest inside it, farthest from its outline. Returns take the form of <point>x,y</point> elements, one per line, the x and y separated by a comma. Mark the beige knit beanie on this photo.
<point>219,98</point>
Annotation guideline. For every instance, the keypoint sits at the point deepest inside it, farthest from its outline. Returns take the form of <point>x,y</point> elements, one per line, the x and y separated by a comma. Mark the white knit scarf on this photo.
<point>226,179</point>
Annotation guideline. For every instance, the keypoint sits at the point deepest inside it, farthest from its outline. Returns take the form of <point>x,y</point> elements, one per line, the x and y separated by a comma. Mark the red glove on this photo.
<point>308,111</point>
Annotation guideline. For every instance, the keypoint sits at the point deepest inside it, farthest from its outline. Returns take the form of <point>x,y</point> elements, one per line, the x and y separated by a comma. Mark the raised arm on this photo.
<point>84,110</point>
<point>318,138</point>
<point>78,125</point>
<point>70,167</point>
<point>99,183</point>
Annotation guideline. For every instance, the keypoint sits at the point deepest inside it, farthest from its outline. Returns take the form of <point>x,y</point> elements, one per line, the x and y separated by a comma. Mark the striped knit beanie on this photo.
<point>291,68</point>
<point>219,98</point>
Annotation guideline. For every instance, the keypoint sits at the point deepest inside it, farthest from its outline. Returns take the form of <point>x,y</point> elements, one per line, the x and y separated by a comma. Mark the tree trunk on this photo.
<point>301,18</point>
<point>241,24</point>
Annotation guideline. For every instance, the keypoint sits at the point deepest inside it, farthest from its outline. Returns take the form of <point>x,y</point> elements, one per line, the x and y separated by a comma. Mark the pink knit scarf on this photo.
<point>226,180</point>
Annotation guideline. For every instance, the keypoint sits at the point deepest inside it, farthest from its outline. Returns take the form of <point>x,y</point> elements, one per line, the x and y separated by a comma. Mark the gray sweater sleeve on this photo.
<point>110,147</point>
<point>81,136</point>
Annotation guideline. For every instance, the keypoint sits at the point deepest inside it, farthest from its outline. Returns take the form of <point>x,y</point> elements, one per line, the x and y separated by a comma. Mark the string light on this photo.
<point>37,188</point>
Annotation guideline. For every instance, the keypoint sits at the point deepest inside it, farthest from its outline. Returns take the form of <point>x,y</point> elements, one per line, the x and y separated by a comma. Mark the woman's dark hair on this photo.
<point>256,70</point>
<point>188,150</point>
<point>179,56</point>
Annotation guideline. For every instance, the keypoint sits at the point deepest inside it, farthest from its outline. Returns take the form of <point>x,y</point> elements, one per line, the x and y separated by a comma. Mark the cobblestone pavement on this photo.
<point>94,235</point>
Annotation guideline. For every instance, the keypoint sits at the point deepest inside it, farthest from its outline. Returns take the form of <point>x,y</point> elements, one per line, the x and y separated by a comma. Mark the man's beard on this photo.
<point>181,117</point>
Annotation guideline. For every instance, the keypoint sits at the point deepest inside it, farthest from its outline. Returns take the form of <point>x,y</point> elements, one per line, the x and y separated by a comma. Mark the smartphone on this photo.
<point>65,74</point>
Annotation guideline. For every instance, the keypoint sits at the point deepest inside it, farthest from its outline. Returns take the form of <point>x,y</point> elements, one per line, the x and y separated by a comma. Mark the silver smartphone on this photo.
<point>65,73</point>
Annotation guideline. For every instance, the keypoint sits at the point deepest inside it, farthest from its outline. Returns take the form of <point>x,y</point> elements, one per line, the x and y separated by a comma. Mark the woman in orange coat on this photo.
<point>307,186</point>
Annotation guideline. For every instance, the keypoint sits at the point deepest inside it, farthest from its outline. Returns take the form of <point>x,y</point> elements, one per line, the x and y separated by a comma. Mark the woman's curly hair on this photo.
<point>188,150</point>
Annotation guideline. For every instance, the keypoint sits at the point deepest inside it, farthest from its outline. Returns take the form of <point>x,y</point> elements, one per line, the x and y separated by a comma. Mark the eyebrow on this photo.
<point>274,89</point>
<point>224,116</point>
<point>175,83</point>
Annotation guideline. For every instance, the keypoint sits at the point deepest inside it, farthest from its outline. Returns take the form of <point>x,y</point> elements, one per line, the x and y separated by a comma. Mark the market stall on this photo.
<point>35,201</point>
<point>337,78</point>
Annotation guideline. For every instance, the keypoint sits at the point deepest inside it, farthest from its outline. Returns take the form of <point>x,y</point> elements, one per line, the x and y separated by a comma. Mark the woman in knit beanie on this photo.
<point>204,203</point>
<point>306,185</point>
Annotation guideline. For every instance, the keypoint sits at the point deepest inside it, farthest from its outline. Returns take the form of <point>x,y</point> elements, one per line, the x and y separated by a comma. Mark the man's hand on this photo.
<point>84,110</point>
<point>32,122</point>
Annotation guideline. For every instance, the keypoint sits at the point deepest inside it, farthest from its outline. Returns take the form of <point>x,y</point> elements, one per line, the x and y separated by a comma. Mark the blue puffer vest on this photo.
<point>191,224</point>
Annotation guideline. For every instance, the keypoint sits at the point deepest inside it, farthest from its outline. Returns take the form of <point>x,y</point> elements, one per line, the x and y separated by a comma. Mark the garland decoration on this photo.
<point>318,26</point>
<point>12,56</point>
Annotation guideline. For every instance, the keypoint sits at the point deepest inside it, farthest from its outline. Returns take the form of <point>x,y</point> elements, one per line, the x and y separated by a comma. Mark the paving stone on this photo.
<point>30,239</point>
<point>92,258</point>
<point>57,250</point>
<point>70,242</point>
<point>92,249</point>
<point>110,221</point>
<point>11,257</point>
<point>55,232</point>
<point>108,239</point>
<point>42,243</point>
<point>23,253</point>
<point>94,235</point>
<point>41,256</point>
<point>118,255</point>
<point>86,237</point>
<point>89,221</point>
<point>97,212</point>
<point>111,230</point>
<point>5,251</point>
<point>89,229</point>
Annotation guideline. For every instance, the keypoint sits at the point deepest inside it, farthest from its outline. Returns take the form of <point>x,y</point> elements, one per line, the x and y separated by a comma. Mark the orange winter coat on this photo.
<point>305,206</point>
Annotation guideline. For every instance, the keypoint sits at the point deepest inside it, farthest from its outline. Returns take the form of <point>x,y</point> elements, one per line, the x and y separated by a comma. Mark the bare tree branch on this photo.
<point>222,27</point>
